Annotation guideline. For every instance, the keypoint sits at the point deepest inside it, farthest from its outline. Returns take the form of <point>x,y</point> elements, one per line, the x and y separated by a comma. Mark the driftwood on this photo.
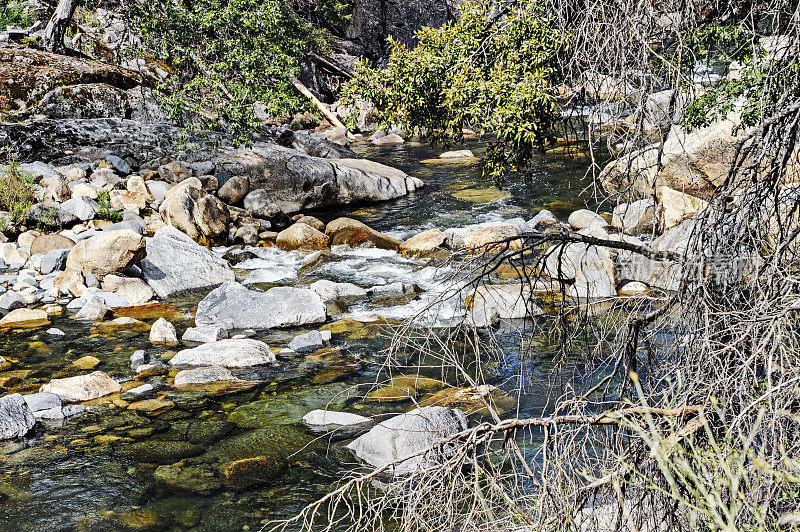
<point>332,118</point>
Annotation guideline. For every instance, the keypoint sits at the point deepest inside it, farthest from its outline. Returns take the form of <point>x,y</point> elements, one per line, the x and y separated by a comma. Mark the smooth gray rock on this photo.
<point>134,225</point>
<point>308,342</point>
<point>82,208</point>
<point>326,419</point>
<point>391,290</point>
<point>331,291</point>
<point>42,401</point>
<point>231,353</point>
<point>406,434</point>
<point>16,418</point>
<point>51,216</point>
<point>203,375</point>
<point>204,334</point>
<point>138,392</point>
<point>233,306</point>
<point>55,332</point>
<point>138,358</point>
<point>54,261</point>
<point>92,311</point>
<point>12,300</point>
<point>175,263</point>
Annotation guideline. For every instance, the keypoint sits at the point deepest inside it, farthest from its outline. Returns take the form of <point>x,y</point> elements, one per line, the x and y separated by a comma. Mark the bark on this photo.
<point>53,38</point>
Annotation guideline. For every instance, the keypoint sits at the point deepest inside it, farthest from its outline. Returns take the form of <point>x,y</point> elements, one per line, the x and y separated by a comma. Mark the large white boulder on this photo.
<point>230,353</point>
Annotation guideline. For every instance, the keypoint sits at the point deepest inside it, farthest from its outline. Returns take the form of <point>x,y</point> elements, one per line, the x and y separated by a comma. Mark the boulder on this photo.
<point>392,139</point>
<point>12,300</point>
<point>70,282</point>
<point>174,172</point>
<point>260,204</point>
<point>134,291</point>
<point>204,335</point>
<point>176,264</point>
<point>395,290</point>
<point>543,218</point>
<point>25,317</point>
<point>584,218</point>
<point>636,217</point>
<point>230,353</point>
<point>45,243</point>
<point>457,154</point>
<point>310,341</point>
<point>566,261</point>
<point>92,311</point>
<point>16,418</point>
<point>316,223</point>
<point>201,216</point>
<point>355,234</point>
<point>54,261</point>
<point>424,243</point>
<point>11,254</point>
<point>482,238</point>
<point>234,190</point>
<point>633,289</point>
<point>302,236</point>
<point>331,291</point>
<point>107,253</point>
<point>163,332</point>
<point>405,434</point>
<point>82,387</point>
<point>675,207</point>
<point>82,208</point>
<point>594,281</point>
<point>203,375</point>
<point>233,306</point>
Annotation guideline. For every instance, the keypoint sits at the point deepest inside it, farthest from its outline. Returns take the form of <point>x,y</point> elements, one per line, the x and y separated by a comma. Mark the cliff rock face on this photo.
<point>375,20</point>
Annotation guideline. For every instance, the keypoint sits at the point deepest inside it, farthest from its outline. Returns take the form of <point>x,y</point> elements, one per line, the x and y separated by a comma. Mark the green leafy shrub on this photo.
<point>491,70</point>
<point>16,191</point>
<point>226,55</point>
<point>106,212</point>
<point>15,13</point>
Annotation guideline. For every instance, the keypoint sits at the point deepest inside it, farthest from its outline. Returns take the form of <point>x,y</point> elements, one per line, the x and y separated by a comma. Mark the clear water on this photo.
<point>98,472</point>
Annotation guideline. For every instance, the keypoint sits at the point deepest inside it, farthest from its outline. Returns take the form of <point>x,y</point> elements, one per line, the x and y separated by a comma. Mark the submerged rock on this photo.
<point>310,341</point>
<point>199,478</point>
<point>329,419</point>
<point>233,306</point>
<point>231,353</point>
<point>25,317</point>
<point>491,303</point>
<point>82,387</point>
<point>16,418</point>
<point>204,334</point>
<point>203,375</point>
<point>406,434</point>
<point>175,263</point>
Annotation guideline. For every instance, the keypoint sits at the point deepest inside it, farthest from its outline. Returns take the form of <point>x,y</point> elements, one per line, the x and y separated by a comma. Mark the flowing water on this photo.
<point>117,469</point>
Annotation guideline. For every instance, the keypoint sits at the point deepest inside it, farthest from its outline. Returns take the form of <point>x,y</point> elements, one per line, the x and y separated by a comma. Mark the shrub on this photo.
<point>106,212</point>
<point>16,191</point>
<point>15,13</point>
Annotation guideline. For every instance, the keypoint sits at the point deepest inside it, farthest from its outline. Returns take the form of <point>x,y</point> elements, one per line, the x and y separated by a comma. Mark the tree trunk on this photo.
<point>53,38</point>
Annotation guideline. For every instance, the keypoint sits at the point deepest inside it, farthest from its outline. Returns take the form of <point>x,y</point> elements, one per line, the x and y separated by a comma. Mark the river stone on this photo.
<point>233,306</point>
<point>635,217</point>
<point>674,207</point>
<point>331,291</point>
<point>327,419</point>
<point>543,218</point>
<point>316,223</point>
<point>175,171</point>
<point>55,260</point>
<point>163,332</point>
<point>43,244</point>
<point>82,387</point>
<point>231,353</point>
<point>203,375</point>
<point>12,300</point>
<point>260,204</point>
<point>583,218</point>
<point>16,418</point>
<point>594,281</point>
<point>159,451</point>
<point>394,290</point>
<point>356,234</point>
<point>92,310</point>
<point>134,291</point>
<point>25,317</point>
<point>198,478</point>
<point>204,335</point>
<point>302,236</point>
<point>424,243</point>
<point>483,237</point>
<point>107,253</point>
<point>490,303</point>
<point>310,341</point>
<point>234,190</point>
<point>175,263</point>
<point>201,216</point>
<point>407,433</point>
<point>81,207</point>
<point>391,139</point>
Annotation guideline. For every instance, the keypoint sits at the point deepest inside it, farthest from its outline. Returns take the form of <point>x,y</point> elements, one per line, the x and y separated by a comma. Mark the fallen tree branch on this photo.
<point>332,118</point>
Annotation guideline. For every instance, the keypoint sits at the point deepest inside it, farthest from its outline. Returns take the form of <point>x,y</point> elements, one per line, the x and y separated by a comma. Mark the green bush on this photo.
<point>106,212</point>
<point>15,13</point>
<point>16,191</point>
<point>484,71</point>
<point>226,55</point>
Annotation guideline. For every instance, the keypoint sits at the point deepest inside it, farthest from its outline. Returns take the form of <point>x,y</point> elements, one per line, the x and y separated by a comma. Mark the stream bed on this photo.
<point>159,469</point>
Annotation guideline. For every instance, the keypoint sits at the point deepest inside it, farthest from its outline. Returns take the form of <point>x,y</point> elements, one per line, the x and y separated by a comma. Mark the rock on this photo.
<point>391,139</point>
<point>696,161</point>
<point>43,244</point>
<point>490,303</point>
<point>92,311</point>
<point>201,216</point>
<point>635,217</point>
<point>55,260</point>
<point>203,375</point>
<point>134,291</point>
<point>231,353</point>
<point>82,387</point>
<point>174,172</point>
<point>634,289</point>
<point>233,306</point>
<point>564,262</point>
<point>16,418</point>
<point>310,341</point>
<point>316,223</point>
<point>11,254</point>
<point>482,195</point>
<point>594,281</point>
<point>25,317</point>
<point>583,218</point>
<point>86,363</point>
<point>392,290</point>
<point>674,207</point>
<point>406,434</point>
<point>234,190</point>
<point>129,201</point>
<point>107,253</point>
<point>483,238</point>
<point>163,332</point>
<point>328,419</point>
<point>55,332</point>
<point>302,236</point>
<point>403,388</point>
<point>70,282</point>
<point>457,154</point>
<point>152,407</point>
<point>197,478</point>
<point>204,335</point>
<point>251,471</point>
<point>12,300</point>
<point>543,218</point>
<point>345,292</point>
<point>259,203</point>
<point>176,264</point>
<point>355,234</point>
<point>42,401</point>
<point>424,244</point>
<point>82,208</point>
<point>246,235</point>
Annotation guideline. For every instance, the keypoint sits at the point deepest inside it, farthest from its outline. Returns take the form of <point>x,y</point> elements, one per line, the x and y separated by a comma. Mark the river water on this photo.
<point>106,470</point>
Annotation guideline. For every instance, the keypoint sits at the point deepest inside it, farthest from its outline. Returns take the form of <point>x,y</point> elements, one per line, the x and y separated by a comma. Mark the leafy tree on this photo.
<point>226,55</point>
<point>492,69</point>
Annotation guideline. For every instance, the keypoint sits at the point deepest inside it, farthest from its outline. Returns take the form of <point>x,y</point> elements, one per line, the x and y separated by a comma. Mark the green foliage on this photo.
<point>16,191</point>
<point>106,212</point>
<point>226,54</point>
<point>715,43</point>
<point>15,13</point>
<point>492,70</point>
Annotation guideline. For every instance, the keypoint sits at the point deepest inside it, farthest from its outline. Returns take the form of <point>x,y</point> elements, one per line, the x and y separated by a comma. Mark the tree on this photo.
<point>53,37</point>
